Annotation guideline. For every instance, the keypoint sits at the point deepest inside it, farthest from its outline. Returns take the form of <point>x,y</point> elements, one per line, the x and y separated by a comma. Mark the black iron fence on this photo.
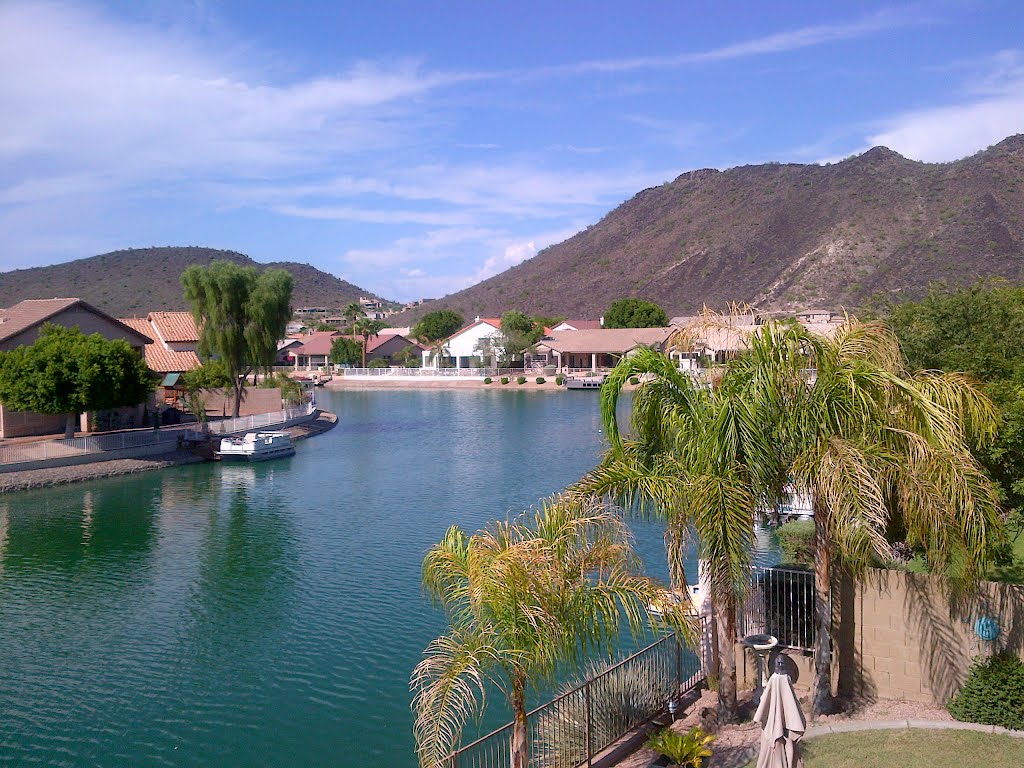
<point>574,727</point>
<point>780,603</point>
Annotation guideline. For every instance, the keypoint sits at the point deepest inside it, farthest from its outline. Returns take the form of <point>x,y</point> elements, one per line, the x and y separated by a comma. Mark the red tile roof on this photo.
<point>30,312</point>
<point>159,358</point>
<point>175,326</point>
<point>163,360</point>
<point>318,343</point>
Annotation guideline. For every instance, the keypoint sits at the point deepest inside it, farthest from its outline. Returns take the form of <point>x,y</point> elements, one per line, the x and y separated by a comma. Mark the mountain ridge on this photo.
<point>135,281</point>
<point>782,236</point>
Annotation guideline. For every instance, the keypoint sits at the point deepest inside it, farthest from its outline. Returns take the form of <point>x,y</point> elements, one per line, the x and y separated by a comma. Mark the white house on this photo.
<point>462,347</point>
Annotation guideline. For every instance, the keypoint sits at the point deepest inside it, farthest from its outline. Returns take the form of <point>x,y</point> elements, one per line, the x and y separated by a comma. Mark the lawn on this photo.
<point>1013,573</point>
<point>914,749</point>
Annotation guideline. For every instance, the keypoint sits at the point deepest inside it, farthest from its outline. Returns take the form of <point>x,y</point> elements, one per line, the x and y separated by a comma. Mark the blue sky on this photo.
<point>415,148</point>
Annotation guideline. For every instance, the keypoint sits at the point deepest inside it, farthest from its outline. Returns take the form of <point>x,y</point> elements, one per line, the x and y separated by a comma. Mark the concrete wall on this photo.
<point>909,638</point>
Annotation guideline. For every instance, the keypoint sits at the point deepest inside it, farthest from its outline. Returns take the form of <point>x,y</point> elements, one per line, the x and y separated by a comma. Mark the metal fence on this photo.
<point>245,423</point>
<point>573,728</point>
<point>780,603</point>
<point>59,449</point>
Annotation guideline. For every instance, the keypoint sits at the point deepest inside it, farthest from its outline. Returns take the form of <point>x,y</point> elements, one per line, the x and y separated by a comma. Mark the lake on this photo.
<point>270,614</point>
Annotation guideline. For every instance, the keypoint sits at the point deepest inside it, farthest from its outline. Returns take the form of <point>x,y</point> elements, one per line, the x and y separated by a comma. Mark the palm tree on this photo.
<point>366,328</point>
<point>698,460</point>
<point>438,350</point>
<point>879,449</point>
<point>352,311</point>
<point>522,598</point>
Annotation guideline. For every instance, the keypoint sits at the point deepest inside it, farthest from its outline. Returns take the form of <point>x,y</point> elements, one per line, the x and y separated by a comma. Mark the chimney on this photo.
<point>602,321</point>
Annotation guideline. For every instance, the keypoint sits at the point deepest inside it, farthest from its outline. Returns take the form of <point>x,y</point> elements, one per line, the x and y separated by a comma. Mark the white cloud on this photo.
<point>991,108</point>
<point>93,94</point>
<point>780,42</point>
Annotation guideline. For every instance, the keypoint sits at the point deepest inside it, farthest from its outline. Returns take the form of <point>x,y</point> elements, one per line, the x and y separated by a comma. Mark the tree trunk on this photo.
<point>365,339</point>
<point>69,425</point>
<point>823,703</point>
<point>728,711</point>
<point>520,755</point>
<point>239,387</point>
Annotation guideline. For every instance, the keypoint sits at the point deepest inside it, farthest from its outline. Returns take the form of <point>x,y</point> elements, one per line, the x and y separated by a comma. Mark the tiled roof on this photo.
<point>137,324</point>
<point>318,343</point>
<point>30,312</point>
<point>605,340</point>
<point>583,325</point>
<point>175,326</point>
<point>162,360</point>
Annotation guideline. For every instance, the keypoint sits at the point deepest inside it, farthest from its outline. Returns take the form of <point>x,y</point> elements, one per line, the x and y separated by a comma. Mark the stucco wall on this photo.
<point>22,423</point>
<point>255,400</point>
<point>88,322</point>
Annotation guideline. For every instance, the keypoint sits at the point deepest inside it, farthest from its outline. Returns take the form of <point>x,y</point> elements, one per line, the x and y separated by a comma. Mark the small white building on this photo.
<point>463,348</point>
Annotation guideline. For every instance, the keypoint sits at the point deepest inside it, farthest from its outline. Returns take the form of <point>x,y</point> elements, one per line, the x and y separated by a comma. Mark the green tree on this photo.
<point>366,328</point>
<point>66,372</point>
<point>439,324</point>
<point>878,448</point>
<point>346,351</point>
<point>210,375</point>
<point>521,599</point>
<point>352,311</point>
<point>291,390</point>
<point>978,331</point>
<point>519,332</point>
<point>241,314</point>
<point>635,313</point>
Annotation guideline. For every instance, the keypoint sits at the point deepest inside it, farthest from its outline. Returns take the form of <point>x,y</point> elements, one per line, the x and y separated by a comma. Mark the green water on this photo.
<point>264,615</point>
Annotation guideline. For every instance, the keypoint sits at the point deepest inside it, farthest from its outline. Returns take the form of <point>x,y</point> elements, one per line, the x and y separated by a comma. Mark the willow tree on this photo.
<point>523,598</point>
<point>241,314</point>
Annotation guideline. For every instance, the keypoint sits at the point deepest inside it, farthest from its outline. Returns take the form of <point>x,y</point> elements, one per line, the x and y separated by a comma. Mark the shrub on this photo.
<point>993,693</point>
<point>688,749</point>
<point>626,696</point>
<point>559,379</point>
<point>540,379</point>
<point>796,538</point>
<point>487,380</point>
<point>504,379</point>
<point>634,380</point>
<point>520,380</point>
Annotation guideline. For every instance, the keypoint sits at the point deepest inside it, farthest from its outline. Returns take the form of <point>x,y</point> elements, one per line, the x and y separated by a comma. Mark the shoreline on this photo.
<point>31,479</point>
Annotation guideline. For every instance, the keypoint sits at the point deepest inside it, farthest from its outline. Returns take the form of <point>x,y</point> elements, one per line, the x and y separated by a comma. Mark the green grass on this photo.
<point>913,749</point>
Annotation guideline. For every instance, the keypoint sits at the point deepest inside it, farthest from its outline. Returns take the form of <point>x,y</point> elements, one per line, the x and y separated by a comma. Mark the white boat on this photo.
<point>256,446</point>
<point>690,600</point>
<point>586,382</point>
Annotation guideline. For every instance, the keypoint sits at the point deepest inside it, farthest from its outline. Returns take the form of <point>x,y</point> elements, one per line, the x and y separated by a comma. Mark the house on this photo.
<point>579,325</point>
<point>20,325</point>
<point>594,349</point>
<point>172,351</point>
<point>385,346</point>
<point>286,349</point>
<point>464,347</point>
<point>314,351</point>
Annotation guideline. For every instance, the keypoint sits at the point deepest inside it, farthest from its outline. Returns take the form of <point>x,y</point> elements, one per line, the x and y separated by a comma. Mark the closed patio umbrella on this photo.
<point>781,720</point>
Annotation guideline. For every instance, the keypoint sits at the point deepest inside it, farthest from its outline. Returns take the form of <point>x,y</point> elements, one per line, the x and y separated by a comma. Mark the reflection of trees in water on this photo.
<point>89,530</point>
<point>247,565</point>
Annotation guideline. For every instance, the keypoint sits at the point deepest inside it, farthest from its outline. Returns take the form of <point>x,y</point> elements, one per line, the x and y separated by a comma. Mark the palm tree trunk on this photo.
<point>520,757</point>
<point>823,703</point>
<point>725,621</point>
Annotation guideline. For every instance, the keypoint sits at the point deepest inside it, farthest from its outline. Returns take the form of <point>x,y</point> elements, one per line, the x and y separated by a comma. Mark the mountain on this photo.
<point>782,236</point>
<point>141,280</point>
